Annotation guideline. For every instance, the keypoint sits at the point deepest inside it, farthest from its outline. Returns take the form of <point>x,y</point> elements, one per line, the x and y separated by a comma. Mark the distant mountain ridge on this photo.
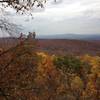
<point>71,36</point>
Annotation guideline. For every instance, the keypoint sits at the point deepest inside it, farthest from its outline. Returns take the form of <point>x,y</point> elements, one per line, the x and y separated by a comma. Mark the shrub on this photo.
<point>68,64</point>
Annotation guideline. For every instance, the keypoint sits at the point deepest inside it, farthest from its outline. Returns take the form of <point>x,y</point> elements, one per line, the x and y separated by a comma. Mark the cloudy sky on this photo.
<point>65,16</point>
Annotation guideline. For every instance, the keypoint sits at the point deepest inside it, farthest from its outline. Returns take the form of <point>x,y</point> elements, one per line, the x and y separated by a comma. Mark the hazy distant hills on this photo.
<point>71,36</point>
<point>59,46</point>
<point>64,36</point>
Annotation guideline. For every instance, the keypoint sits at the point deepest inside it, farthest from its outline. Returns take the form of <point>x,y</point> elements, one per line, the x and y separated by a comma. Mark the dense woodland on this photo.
<point>26,74</point>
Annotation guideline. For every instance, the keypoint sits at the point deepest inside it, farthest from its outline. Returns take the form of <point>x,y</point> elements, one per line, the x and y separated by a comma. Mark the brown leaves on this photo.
<point>33,76</point>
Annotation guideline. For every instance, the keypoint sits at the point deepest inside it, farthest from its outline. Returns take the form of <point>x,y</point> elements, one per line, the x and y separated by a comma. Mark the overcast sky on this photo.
<point>66,16</point>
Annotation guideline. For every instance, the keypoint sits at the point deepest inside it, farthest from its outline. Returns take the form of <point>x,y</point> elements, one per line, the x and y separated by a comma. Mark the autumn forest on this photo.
<point>49,50</point>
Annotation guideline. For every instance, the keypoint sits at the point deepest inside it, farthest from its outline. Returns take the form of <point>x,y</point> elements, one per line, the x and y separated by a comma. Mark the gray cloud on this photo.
<point>67,16</point>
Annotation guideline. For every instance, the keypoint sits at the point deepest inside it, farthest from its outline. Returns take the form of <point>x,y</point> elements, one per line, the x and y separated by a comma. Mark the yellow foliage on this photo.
<point>94,62</point>
<point>42,54</point>
<point>91,89</point>
<point>77,83</point>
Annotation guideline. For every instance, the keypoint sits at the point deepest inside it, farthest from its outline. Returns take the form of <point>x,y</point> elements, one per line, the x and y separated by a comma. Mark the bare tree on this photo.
<point>18,5</point>
<point>11,28</point>
<point>6,26</point>
<point>22,5</point>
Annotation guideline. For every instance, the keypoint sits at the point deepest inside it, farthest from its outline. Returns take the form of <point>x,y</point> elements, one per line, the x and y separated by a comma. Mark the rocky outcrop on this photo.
<point>31,36</point>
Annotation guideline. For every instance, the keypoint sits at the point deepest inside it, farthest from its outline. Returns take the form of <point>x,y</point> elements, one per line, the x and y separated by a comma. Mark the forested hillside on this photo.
<point>58,46</point>
<point>28,74</point>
